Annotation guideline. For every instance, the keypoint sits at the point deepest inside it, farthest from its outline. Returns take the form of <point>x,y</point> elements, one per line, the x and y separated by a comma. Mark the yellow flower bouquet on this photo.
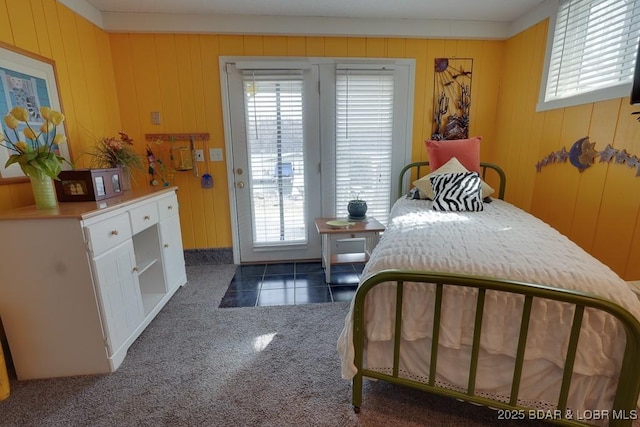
<point>38,157</point>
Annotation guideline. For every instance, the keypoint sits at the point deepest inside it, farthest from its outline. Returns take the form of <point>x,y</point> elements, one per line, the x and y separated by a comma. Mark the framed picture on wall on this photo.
<point>29,81</point>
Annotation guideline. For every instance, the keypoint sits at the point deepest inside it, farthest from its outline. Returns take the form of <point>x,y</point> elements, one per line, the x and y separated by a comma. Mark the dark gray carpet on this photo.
<point>199,365</point>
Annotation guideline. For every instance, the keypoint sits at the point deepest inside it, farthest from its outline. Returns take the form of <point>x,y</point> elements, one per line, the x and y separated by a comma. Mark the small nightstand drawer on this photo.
<point>143,217</point>
<point>168,206</point>
<point>109,233</point>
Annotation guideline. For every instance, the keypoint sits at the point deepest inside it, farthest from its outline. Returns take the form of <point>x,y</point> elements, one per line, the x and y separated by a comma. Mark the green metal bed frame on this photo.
<point>628,388</point>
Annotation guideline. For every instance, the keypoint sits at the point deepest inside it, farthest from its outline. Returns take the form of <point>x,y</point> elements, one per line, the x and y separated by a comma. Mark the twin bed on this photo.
<point>494,307</point>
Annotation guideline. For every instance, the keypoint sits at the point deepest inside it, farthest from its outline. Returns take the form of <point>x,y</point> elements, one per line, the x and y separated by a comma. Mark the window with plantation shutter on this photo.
<point>364,139</point>
<point>593,52</point>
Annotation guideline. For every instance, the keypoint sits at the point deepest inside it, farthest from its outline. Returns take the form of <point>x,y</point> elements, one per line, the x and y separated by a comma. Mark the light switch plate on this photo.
<point>199,156</point>
<point>215,154</point>
<point>155,117</point>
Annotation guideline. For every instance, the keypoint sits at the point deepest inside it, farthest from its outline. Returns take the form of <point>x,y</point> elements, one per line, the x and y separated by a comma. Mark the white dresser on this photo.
<point>79,283</point>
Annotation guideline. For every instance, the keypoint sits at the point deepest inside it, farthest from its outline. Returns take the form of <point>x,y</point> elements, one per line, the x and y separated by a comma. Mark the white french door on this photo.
<point>276,154</point>
<point>304,136</point>
<point>364,118</point>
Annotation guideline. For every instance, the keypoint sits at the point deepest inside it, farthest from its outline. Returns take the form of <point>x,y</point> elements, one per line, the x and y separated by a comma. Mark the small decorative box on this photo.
<point>83,185</point>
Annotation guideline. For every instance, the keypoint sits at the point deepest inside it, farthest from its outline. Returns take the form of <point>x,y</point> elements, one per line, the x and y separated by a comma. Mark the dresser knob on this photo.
<point>136,268</point>
<point>170,207</point>
<point>114,232</point>
<point>166,245</point>
<point>147,217</point>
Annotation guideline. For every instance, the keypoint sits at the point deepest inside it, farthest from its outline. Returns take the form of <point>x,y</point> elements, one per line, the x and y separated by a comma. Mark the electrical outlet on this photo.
<point>199,156</point>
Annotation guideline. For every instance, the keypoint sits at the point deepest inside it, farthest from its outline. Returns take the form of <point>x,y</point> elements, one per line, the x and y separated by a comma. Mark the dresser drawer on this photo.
<point>143,217</point>
<point>168,206</point>
<point>106,234</point>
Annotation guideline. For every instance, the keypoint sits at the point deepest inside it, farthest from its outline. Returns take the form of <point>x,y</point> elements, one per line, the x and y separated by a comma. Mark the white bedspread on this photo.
<point>501,241</point>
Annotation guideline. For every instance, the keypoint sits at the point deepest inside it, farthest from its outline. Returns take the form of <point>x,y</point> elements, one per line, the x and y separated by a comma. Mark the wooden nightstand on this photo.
<point>368,229</point>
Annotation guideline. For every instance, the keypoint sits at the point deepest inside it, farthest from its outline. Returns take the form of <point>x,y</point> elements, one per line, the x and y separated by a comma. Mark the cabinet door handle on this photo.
<point>166,245</point>
<point>147,218</point>
<point>114,232</point>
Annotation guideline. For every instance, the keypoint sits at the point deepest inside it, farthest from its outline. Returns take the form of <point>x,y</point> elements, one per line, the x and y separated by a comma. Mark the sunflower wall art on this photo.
<point>452,98</point>
<point>582,154</point>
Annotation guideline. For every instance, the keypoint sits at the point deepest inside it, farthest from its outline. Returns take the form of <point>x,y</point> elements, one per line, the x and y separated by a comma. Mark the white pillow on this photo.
<point>452,166</point>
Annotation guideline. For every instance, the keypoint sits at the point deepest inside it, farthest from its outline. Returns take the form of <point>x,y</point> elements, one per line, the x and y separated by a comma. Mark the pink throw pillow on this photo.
<point>467,151</point>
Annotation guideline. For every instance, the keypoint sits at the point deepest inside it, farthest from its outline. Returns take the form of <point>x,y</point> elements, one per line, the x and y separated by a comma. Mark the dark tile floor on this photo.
<point>290,283</point>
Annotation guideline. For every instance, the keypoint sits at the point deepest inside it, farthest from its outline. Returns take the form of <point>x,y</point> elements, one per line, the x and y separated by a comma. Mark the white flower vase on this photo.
<point>44,192</point>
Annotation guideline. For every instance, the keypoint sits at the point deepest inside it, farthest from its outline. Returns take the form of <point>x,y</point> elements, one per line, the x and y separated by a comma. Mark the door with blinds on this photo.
<point>367,124</point>
<point>306,137</point>
<point>364,139</point>
<point>274,128</point>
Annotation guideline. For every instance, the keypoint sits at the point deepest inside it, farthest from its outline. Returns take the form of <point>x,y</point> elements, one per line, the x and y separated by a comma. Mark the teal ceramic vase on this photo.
<point>357,209</point>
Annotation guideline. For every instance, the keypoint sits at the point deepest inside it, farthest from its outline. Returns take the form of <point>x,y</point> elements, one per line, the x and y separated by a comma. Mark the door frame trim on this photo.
<point>228,145</point>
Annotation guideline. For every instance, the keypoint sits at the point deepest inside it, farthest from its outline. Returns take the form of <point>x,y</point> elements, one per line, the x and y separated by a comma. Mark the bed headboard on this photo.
<point>424,168</point>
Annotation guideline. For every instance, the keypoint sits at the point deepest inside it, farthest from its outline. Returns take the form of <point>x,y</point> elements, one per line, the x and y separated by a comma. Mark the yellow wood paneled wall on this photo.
<point>109,82</point>
<point>598,208</point>
<point>86,82</point>
<point>178,76</point>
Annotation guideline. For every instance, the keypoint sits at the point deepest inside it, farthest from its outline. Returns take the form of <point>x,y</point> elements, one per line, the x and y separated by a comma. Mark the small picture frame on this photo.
<point>83,185</point>
<point>100,189</point>
<point>115,183</point>
<point>74,187</point>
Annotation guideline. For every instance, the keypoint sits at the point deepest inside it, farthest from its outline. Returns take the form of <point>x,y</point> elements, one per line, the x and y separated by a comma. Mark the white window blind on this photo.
<point>364,137</point>
<point>594,47</point>
<point>275,144</point>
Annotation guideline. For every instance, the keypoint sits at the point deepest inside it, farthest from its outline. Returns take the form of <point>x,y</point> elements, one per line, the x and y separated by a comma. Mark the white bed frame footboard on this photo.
<point>628,388</point>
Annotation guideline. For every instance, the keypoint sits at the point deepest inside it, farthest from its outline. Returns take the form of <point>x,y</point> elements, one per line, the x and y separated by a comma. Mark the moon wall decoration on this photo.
<point>582,153</point>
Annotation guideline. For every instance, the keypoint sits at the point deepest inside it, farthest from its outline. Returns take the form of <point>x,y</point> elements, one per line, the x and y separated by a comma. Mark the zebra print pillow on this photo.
<point>460,191</point>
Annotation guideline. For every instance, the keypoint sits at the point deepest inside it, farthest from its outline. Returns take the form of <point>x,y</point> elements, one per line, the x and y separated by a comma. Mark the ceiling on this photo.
<point>467,10</point>
<point>459,19</point>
